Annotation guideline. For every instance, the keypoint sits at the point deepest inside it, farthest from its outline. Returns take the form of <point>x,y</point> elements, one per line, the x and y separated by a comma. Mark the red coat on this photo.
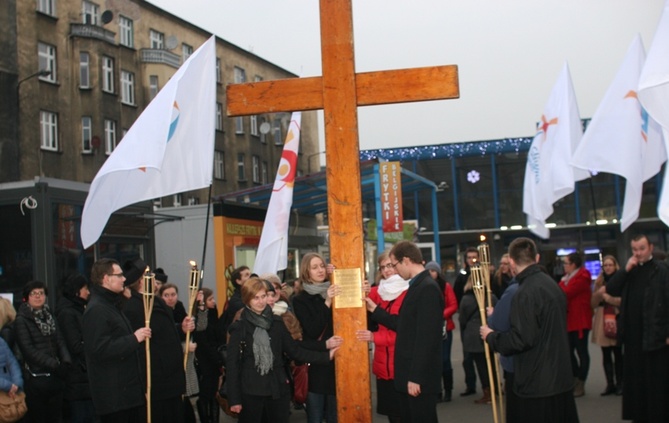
<point>579,292</point>
<point>383,365</point>
<point>451,306</point>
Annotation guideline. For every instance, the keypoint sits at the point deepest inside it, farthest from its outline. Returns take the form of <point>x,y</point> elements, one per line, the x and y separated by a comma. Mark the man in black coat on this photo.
<point>111,349</point>
<point>538,341</point>
<point>419,334</point>
<point>234,304</point>
<point>168,378</point>
<point>643,329</point>
<point>471,258</point>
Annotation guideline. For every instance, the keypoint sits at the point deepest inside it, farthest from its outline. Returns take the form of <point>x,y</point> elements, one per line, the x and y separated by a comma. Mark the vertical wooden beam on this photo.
<point>344,201</point>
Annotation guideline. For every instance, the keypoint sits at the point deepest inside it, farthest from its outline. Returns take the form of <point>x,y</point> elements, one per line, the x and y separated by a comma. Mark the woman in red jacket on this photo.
<point>450,308</point>
<point>577,284</point>
<point>389,294</point>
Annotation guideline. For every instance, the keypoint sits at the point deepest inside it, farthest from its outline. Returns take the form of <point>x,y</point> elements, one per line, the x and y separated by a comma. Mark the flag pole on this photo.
<point>206,233</point>
<point>594,210</point>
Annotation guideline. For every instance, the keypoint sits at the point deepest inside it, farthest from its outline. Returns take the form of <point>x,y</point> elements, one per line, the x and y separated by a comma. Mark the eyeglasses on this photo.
<point>37,294</point>
<point>394,264</point>
<point>386,267</point>
<point>118,275</point>
<point>566,263</point>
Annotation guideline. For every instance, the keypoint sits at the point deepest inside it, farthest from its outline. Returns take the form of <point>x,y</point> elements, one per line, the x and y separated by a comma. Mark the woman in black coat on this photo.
<point>209,363</point>
<point>257,382</point>
<point>312,309</point>
<point>45,355</point>
<point>70,313</point>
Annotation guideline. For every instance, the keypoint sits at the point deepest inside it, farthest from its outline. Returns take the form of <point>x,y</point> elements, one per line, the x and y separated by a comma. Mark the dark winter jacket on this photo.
<point>316,320</point>
<point>42,354</point>
<point>168,379</point>
<point>538,337</point>
<point>70,314</point>
<point>470,322</point>
<point>112,354</point>
<point>655,325</point>
<point>244,378</point>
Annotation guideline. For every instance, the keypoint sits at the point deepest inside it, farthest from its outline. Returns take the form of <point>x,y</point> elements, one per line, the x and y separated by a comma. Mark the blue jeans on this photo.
<point>321,406</point>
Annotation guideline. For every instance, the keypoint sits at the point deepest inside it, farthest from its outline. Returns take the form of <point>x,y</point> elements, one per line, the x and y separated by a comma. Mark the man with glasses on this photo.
<point>112,348</point>
<point>419,335</point>
<point>471,258</point>
<point>643,328</point>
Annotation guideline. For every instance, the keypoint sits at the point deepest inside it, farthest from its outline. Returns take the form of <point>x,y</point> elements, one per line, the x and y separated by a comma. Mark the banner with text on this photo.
<point>390,174</point>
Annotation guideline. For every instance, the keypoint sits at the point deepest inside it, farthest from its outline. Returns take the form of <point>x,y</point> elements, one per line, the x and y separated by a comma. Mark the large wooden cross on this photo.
<point>338,92</point>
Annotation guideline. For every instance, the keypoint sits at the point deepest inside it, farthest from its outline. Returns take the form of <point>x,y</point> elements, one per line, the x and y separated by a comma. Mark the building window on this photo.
<point>219,165</point>
<point>126,32</point>
<point>48,130</point>
<point>127,87</point>
<point>241,171</point>
<point>84,70</point>
<point>240,75</point>
<point>256,169</point>
<point>186,51</point>
<point>176,200</point>
<point>157,39</point>
<point>192,201</point>
<point>276,132</point>
<point>47,7</point>
<point>110,136</point>
<point>90,13</point>
<point>47,61</point>
<point>218,70</point>
<point>153,86</point>
<point>264,173</point>
<point>107,74</point>
<point>219,116</point>
<point>253,120</point>
<point>86,134</point>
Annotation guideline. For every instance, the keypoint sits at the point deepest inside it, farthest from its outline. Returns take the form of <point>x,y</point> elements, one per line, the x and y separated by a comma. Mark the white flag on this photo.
<point>654,95</point>
<point>273,249</point>
<point>621,138</point>
<point>169,149</point>
<point>548,174</point>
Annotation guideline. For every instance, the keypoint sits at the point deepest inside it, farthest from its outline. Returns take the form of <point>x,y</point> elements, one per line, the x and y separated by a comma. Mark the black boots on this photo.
<point>447,376</point>
<point>610,385</point>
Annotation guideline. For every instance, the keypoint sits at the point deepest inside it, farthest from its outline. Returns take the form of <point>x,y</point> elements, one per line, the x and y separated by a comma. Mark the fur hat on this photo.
<point>133,270</point>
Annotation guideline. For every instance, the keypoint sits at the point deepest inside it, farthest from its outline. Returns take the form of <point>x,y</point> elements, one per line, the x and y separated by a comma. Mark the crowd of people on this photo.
<point>87,361</point>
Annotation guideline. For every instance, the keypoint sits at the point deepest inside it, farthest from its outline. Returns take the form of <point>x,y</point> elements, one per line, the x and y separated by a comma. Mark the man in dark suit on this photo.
<point>419,335</point>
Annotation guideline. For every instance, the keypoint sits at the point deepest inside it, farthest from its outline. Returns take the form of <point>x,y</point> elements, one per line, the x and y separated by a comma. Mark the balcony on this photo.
<point>160,56</point>
<point>92,31</point>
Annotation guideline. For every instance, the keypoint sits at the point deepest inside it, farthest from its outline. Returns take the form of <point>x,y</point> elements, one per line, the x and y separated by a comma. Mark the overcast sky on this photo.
<point>509,54</point>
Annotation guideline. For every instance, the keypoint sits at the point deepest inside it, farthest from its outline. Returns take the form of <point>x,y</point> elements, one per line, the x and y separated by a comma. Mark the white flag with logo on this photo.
<point>622,138</point>
<point>549,176</point>
<point>654,95</point>
<point>273,249</point>
<point>169,149</point>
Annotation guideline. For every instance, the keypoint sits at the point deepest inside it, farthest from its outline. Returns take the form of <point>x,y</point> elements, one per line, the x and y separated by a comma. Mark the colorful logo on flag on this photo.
<point>644,115</point>
<point>543,126</point>
<point>285,175</point>
<point>174,122</point>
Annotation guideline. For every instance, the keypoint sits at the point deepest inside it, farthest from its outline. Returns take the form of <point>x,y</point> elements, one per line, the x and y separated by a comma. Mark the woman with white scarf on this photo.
<point>388,294</point>
<point>257,383</point>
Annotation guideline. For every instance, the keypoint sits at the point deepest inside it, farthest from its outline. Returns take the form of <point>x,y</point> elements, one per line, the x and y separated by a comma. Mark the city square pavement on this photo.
<point>592,408</point>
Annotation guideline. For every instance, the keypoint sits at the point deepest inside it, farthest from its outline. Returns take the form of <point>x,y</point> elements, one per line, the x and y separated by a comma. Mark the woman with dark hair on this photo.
<point>45,355</point>
<point>312,308</point>
<point>256,376</point>
<point>208,339</point>
<point>70,313</point>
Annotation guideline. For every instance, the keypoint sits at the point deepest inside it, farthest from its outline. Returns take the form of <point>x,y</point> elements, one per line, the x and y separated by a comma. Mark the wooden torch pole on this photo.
<point>193,288</point>
<point>478,288</point>
<point>148,297</point>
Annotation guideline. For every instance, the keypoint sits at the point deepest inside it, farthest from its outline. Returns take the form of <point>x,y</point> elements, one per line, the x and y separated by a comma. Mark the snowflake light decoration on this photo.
<point>473,176</point>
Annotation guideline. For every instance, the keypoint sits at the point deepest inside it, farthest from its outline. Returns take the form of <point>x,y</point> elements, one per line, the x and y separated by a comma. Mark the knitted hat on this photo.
<point>433,265</point>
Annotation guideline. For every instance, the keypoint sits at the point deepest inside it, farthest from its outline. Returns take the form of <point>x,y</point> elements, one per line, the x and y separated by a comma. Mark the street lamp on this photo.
<point>39,73</point>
